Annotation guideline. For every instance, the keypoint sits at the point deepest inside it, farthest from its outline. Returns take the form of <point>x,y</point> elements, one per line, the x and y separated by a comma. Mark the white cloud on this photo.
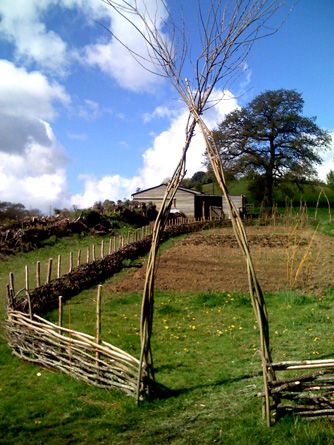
<point>90,110</point>
<point>23,24</point>
<point>113,57</point>
<point>328,161</point>
<point>109,187</point>
<point>20,24</point>
<point>31,160</point>
<point>161,112</point>
<point>160,160</point>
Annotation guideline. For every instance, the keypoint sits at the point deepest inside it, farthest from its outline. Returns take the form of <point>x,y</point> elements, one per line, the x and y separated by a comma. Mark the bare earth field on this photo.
<point>284,258</point>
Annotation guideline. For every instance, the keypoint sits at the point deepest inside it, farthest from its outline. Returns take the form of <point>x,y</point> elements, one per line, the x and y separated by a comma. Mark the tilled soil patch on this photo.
<point>284,258</point>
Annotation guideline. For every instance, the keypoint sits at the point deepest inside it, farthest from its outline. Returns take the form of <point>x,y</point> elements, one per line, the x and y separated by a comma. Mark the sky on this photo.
<point>81,121</point>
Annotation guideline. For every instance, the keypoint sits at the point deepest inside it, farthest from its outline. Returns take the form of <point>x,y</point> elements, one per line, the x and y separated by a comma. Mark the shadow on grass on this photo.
<point>163,392</point>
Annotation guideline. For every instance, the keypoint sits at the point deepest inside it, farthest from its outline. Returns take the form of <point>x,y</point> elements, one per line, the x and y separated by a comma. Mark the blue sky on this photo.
<point>80,121</point>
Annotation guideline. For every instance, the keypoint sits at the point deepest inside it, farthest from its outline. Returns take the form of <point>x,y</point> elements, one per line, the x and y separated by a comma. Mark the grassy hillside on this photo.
<point>309,193</point>
<point>205,352</point>
<point>205,348</point>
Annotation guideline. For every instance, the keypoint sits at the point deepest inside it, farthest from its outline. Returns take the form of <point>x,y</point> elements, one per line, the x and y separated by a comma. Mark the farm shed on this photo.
<point>192,203</point>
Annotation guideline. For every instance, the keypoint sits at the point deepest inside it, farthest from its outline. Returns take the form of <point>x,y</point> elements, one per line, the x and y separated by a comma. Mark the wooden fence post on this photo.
<point>49,272</point>
<point>87,255</point>
<point>59,266</point>
<point>93,252</point>
<point>38,274</point>
<point>79,258</point>
<point>110,246</point>
<point>102,249</point>
<point>11,281</point>
<point>98,321</point>
<point>71,262</point>
<point>60,312</point>
<point>26,276</point>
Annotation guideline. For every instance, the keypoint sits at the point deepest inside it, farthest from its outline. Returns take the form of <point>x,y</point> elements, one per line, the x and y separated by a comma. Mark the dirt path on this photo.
<point>211,261</point>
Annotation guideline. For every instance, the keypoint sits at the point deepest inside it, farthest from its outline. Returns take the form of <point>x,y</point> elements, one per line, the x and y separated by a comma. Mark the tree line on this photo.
<point>271,142</point>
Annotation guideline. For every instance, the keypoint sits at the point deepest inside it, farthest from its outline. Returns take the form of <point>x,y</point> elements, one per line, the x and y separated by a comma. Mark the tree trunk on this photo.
<point>268,189</point>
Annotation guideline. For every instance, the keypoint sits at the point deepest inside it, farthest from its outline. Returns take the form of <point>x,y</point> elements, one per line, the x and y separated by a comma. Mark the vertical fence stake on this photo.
<point>71,262</point>
<point>59,266</point>
<point>98,321</point>
<point>38,274</point>
<point>114,244</point>
<point>49,272</point>
<point>79,258</point>
<point>87,255</point>
<point>9,298</point>
<point>60,312</point>
<point>93,252</point>
<point>102,249</point>
<point>26,273</point>
<point>11,281</point>
<point>110,246</point>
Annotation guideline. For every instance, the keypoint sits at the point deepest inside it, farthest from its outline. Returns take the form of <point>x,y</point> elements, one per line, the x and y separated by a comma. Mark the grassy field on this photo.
<point>205,348</point>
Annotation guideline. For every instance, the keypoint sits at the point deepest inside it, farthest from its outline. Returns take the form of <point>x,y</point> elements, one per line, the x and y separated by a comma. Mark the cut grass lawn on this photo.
<point>206,360</point>
<point>205,350</point>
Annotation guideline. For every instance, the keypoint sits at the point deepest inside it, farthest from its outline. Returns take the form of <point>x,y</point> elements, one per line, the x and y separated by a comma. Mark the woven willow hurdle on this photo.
<point>87,358</point>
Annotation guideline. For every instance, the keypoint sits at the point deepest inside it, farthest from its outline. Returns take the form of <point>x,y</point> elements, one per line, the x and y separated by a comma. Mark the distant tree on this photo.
<point>330,178</point>
<point>271,137</point>
<point>15,212</point>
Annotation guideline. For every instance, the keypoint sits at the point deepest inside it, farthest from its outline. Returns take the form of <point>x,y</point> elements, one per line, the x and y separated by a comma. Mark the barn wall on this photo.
<point>184,201</point>
<point>238,201</point>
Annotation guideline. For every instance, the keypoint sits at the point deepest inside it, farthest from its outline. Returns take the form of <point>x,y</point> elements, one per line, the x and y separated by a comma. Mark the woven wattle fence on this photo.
<point>87,358</point>
<point>84,357</point>
<point>77,354</point>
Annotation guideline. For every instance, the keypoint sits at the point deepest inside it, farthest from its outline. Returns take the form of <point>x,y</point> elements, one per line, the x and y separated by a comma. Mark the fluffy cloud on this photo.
<point>31,160</point>
<point>20,24</point>
<point>160,160</point>
<point>23,24</point>
<point>108,187</point>
<point>26,100</point>
<point>113,58</point>
<point>328,161</point>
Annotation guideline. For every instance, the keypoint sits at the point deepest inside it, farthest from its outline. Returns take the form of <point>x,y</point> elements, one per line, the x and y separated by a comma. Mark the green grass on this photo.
<point>205,348</point>
<point>62,247</point>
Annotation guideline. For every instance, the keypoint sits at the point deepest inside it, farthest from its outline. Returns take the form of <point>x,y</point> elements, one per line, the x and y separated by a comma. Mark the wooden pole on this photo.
<point>59,266</point>
<point>79,258</point>
<point>60,311</point>
<point>110,246</point>
<point>26,273</point>
<point>71,262</point>
<point>114,244</point>
<point>29,304</point>
<point>93,252</point>
<point>38,274</point>
<point>98,321</point>
<point>87,255</point>
<point>49,272</point>
<point>102,249</point>
<point>9,298</point>
<point>11,281</point>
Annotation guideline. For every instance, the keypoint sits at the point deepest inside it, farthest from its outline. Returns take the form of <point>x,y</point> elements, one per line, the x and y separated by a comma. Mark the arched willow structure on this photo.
<point>228,31</point>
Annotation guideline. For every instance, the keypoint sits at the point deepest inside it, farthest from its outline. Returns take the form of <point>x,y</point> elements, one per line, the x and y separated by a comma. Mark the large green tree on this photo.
<point>270,137</point>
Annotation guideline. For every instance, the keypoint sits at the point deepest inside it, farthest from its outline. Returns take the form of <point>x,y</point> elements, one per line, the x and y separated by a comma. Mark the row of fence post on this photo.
<point>106,248</point>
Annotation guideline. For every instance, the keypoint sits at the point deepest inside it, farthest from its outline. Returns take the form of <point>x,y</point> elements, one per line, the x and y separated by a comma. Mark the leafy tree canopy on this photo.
<point>330,178</point>
<point>270,137</point>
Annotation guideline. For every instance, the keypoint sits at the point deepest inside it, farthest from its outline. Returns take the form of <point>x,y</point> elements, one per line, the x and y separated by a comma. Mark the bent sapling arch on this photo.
<point>227,35</point>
